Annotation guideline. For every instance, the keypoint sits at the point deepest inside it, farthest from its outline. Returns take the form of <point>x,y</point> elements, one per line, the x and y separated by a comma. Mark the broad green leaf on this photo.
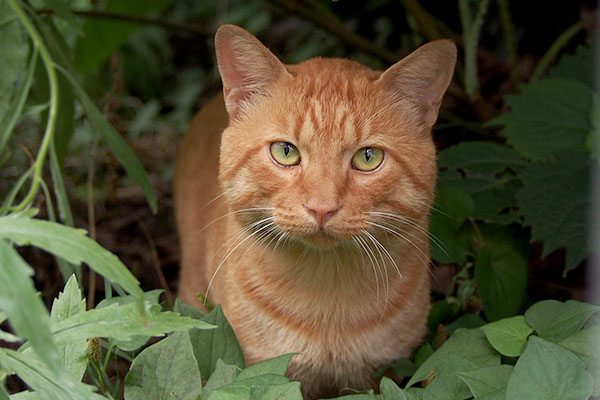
<point>72,352</point>
<point>286,391</point>
<point>277,366</point>
<point>508,335</point>
<point>14,49</point>
<point>486,380</point>
<point>43,378</point>
<point>465,350</point>
<point>241,389</point>
<point>390,391</point>
<point>547,371</point>
<point>452,207</point>
<point>165,370</point>
<point>118,146</point>
<point>224,374</point>
<point>467,321</point>
<point>24,395</point>
<point>556,321</point>
<point>124,322</point>
<point>488,172</point>
<point>586,345</point>
<point>359,396</point>
<point>70,244</point>
<point>26,312</point>
<point>578,66</point>
<point>212,345</point>
<point>549,117</point>
<point>414,393</point>
<point>554,203</point>
<point>501,281</point>
<point>101,37</point>
<point>9,337</point>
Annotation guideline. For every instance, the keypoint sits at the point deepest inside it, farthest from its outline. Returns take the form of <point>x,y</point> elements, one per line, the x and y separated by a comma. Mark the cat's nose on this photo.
<point>321,212</point>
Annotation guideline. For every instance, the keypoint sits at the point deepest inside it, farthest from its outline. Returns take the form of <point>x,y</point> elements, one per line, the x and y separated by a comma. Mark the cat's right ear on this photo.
<point>247,67</point>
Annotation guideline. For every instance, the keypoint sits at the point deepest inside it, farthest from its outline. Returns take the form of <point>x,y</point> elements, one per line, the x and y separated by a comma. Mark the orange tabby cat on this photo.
<point>302,206</point>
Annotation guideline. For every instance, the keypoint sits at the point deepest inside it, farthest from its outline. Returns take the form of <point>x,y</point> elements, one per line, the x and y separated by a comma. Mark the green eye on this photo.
<point>285,153</point>
<point>367,159</point>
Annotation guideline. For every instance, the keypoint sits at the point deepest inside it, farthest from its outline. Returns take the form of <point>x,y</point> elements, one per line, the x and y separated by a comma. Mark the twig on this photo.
<point>560,42</point>
<point>156,261</point>
<point>324,19</point>
<point>176,26</point>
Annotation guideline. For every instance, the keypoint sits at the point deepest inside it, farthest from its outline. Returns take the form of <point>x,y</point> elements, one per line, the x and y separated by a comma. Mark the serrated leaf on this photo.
<point>165,370</point>
<point>509,335</point>
<point>487,380</point>
<point>549,117</point>
<point>488,172</point>
<point>224,374</point>
<point>118,146</point>
<point>276,366</point>
<point>546,371</point>
<point>26,312</point>
<point>390,391</point>
<point>219,343</point>
<point>586,345</point>
<point>72,352</point>
<point>452,207</point>
<point>554,202</point>
<point>124,322</point>
<point>70,244</point>
<point>465,350</point>
<point>43,379</point>
<point>578,66</point>
<point>501,281</point>
<point>556,321</point>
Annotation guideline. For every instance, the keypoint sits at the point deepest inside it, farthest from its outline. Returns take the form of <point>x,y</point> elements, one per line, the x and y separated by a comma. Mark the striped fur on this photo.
<point>348,295</point>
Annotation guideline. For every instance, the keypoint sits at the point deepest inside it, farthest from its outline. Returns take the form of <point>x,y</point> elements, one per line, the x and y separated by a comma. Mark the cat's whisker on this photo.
<point>216,198</point>
<point>387,253</point>
<point>234,249</point>
<point>240,234</point>
<point>386,276</point>
<point>370,255</point>
<point>245,210</point>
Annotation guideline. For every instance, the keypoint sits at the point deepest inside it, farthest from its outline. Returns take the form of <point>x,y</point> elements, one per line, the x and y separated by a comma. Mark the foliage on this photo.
<point>519,181</point>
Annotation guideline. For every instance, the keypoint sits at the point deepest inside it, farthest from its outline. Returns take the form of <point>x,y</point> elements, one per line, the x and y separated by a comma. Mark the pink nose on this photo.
<point>321,212</point>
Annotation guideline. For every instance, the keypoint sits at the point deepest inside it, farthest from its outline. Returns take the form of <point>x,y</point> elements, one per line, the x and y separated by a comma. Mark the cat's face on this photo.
<point>324,150</point>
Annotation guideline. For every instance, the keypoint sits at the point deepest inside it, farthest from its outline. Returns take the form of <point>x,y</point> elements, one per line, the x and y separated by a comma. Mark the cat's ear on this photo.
<point>247,67</point>
<point>422,77</point>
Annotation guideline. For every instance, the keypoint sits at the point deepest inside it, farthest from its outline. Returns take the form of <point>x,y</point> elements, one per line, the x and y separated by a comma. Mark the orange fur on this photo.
<point>291,253</point>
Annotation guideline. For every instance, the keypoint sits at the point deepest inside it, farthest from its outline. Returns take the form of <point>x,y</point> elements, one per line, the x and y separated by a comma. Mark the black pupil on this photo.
<point>367,153</point>
<point>286,149</point>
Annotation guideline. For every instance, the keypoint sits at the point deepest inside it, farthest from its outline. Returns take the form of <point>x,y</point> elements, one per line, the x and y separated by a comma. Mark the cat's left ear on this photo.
<point>422,78</point>
<point>247,67</point>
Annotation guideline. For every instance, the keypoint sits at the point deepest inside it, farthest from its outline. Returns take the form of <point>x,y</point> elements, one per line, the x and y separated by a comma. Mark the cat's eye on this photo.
<point>367,159</point>
<point>285,153</point>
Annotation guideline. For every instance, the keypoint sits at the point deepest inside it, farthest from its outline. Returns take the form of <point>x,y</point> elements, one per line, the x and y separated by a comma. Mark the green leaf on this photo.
<point>241,389</point>
<point>546,371</point>
<point>101,37</point>
<point>43,378</point>
<point>124,322</point>
<point>224,374</point>
<point>467,321</point>
<point>578,66</point>
<point>72,352</point>
<point>555,321</point>
<point>501,281</point>
<point>452,207</point>
<point>220,343</point>
<point>390,391</point>
<point>70,244</point>
<point>486,380</point>
<point>488,172</point>
<point>14,49</point>
<point>586,345</point>
<point>554,202</point>
<point>24,395</point>
<point>63,12</point>
<point>118,146</point>
<point>508,335</point>
<point>414,393</point>
<point>549,117</point>
<point>277,366</point>
<point>465,350</point>
<point>165,370</point>
<point>26,312</point>
<point>286,391</point>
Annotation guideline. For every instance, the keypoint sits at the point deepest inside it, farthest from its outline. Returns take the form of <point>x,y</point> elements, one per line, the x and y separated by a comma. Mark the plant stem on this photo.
<point>50,126</point>
<point>560,42</point>
<point>509,41</point>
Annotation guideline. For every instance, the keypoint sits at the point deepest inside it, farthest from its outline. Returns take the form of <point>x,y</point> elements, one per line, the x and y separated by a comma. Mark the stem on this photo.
<point>427,23</point>
<point>49,132</point>
<point>560,42</point>
<point>509,41</point>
